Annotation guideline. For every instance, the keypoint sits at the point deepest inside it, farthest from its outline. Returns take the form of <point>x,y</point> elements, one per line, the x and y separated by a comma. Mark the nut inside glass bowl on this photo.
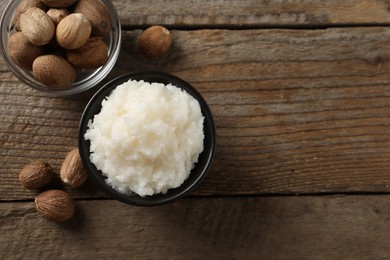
<point>197,174</point>
<point>86,78</point>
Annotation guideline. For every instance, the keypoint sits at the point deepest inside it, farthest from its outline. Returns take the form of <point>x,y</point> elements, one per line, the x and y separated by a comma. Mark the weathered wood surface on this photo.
<point>296,111</point>
<point>351,227</point>
<point>257,13</point>
<point>253,12</point>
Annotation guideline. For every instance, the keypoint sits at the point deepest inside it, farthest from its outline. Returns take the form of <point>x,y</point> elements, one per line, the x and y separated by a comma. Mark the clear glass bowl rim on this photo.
<point>82,85</point>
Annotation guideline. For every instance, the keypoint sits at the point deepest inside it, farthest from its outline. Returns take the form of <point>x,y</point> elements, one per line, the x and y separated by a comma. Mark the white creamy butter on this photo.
<point>147,137</point>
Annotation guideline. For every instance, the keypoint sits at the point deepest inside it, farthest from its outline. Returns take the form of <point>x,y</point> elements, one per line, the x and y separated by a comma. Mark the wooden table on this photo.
<point>300,92</point>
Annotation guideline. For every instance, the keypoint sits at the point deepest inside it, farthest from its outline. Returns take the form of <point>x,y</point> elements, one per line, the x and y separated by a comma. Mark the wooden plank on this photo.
<point>264,13</point>
<point>296,111</point>
<point>351,227</point>
<point>256,13</point>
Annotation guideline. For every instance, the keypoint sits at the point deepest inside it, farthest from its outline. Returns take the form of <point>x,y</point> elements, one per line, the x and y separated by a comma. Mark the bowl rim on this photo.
<point>94,76</point>
<point>206,157</point>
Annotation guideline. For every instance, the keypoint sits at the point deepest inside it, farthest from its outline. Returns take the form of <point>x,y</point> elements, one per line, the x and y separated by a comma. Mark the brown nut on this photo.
<point>58,4</point>
<point>55,205</point>
<point>37,26</point>
<point>35,175</point>
<point>73,31</point>
<point>72,170</point>
<point>154,42</point>
<point>92,55</point>
<point>22,51</point>
<point>23,6</point>
<point>57,15</point>
<point>53,71</point>
<point>97,14</point>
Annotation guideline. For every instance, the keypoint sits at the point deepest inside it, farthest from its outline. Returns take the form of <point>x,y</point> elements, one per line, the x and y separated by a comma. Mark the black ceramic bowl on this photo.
<point>197,174</point>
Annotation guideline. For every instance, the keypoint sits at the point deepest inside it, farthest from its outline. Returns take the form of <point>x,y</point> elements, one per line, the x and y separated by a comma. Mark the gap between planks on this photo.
<point>234,27</point>
<point>235,196</point>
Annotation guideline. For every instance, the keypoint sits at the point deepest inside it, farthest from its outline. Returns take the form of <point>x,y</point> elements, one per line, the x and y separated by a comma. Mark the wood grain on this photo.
<point>255,13</point>
<point>351,227</point>
<point>296,111</point>
<point>250,13</point>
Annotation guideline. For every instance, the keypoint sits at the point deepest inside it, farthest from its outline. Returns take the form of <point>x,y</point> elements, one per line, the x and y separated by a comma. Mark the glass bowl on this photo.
<point>86,79</point>
<point>201,167</point>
